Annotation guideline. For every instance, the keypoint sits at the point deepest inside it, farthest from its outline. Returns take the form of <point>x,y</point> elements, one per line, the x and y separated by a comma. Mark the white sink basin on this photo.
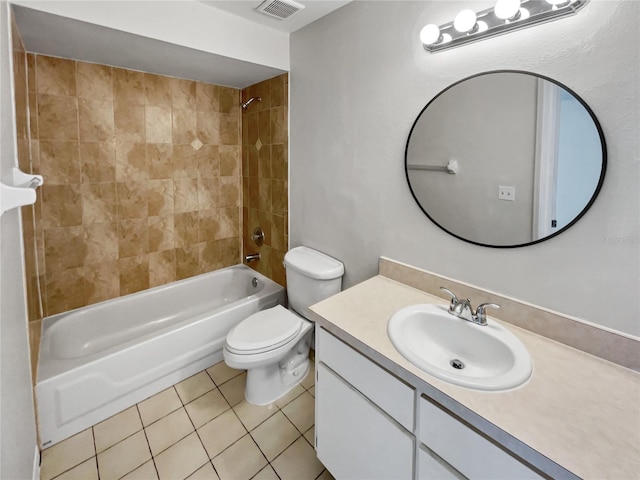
<point>458,351</point>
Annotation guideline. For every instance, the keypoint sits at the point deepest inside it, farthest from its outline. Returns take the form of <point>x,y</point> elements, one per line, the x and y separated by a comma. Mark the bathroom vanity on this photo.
<point>379,417</point>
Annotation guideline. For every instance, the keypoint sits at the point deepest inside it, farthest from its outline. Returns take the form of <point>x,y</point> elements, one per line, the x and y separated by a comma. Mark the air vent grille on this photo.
<point>280,9</point>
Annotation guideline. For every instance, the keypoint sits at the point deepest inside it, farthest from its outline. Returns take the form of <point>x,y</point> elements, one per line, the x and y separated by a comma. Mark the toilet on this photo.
<point>273,344</point>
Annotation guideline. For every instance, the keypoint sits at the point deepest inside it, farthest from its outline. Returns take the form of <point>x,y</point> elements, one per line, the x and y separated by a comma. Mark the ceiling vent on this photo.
<point>280,9</point>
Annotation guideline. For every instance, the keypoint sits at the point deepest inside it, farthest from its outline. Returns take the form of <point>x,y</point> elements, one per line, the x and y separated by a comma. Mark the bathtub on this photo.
<point>99,360</point>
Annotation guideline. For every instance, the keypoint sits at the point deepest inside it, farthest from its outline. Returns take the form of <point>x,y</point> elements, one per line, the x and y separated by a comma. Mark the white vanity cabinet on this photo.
<point>473,455</point>
<point>366,428</point>
<point>431,466</point>
<point>355,437</point>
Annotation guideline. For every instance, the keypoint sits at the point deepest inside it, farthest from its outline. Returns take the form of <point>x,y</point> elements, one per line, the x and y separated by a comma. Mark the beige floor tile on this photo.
<point>67,454</point>
<point>123,457</point>
<point>253,415</point>
<point>294,393</point>
<point>195,386</point>
<point>310,435</point>
<point>207,407</point>
<point>240,461</point>
<point>233,390</point>
<point>326,475</point>
<point>182,459</point>
<point>301,412</point>
<point>221,372</point>
<point>267,473</point>
<point>205,473</point>
<point>168,430</point>
<point>116,428</point>
<point>274,435</point>
<point>298,462</point>
<point>85,471</point>
<point>310,380</point>
<point>145,472</point>
<point>312,391</point>
<point>156,407</point>
<point>221,432</point>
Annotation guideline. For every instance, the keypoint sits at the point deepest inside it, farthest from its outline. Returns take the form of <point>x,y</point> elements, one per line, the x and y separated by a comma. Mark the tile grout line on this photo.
<point>198,434</point>
<point>148,445</point>
<point>95,450</point>
<point>195,430</point>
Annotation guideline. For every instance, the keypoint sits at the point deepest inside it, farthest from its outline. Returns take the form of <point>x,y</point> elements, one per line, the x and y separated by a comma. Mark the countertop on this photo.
<point>577,411</point>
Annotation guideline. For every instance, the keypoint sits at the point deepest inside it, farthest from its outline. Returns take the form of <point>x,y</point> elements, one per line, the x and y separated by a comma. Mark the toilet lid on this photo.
<point>265,330</point>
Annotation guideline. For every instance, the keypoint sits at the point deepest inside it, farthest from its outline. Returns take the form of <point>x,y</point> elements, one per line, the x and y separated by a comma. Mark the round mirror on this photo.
<point>505,159</point>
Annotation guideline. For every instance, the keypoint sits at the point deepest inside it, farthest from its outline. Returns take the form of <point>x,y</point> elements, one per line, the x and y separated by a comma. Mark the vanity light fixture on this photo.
<point>507,15</point>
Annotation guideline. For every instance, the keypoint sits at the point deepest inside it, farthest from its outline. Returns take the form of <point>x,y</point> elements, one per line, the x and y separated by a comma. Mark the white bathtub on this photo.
<point>98,360</point>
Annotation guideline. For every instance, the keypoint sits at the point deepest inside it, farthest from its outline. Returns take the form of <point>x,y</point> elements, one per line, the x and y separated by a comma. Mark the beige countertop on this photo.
<point>576,411</point>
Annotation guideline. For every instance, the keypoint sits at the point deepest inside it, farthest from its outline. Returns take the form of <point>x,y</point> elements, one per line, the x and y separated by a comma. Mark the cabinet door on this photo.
<point>354,438</point>
<point>468,451</point>
<point>372,381</point>
<point>432,467</point>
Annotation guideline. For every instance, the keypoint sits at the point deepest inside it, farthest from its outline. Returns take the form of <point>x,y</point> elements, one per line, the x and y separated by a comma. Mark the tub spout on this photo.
<point>254,257</point>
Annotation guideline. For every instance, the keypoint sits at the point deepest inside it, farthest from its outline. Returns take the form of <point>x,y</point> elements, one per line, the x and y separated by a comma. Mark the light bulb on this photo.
<point>507,9</point>
<point>465,21</point>
<point>558,3</point>
<point>430,34</point>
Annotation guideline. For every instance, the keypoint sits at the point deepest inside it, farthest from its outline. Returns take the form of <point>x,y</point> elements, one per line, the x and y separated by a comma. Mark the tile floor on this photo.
<point>201,428</point>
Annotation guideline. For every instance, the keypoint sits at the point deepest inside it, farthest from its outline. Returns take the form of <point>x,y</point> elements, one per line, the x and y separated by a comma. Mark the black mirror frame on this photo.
<point>563,229</point>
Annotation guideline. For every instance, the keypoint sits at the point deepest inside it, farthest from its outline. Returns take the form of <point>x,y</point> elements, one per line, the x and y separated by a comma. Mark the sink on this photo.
<point>460,352</point>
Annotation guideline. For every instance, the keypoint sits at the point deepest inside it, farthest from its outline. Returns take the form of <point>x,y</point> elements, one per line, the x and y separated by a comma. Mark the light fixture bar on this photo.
<point>531,12</point>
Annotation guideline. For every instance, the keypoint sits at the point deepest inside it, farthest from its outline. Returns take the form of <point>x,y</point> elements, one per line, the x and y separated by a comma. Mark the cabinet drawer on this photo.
<point>432,467</point>
<point>471,453</point>
<point>382,388</point>
<point>354,438</point>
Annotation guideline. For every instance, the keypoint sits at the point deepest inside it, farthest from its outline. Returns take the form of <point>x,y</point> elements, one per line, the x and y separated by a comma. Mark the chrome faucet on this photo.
<point>252,257</point>
<point>463,309</point>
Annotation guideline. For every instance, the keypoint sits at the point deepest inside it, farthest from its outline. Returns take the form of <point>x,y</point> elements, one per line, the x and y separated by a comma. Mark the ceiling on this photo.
<point>312,11</point>
<point>60,36</point>
<point>64,37</point>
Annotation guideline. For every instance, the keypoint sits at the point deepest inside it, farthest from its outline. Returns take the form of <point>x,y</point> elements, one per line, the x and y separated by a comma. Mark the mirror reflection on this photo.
<point>505,159</point>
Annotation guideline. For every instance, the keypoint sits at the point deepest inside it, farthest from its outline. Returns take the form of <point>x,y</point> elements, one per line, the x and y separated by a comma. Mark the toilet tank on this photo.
<point>312,276</point>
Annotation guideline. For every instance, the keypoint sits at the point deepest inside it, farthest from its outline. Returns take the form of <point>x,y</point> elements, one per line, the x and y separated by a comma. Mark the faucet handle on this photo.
<point>454,299</point>
<point>480,316</point>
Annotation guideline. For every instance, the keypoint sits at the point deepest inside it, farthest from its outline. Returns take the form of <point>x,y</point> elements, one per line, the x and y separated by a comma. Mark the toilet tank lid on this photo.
<point>313,264</point>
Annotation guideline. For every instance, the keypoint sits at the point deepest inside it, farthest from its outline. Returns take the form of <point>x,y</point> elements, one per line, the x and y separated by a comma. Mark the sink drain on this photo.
<point>457,364</point>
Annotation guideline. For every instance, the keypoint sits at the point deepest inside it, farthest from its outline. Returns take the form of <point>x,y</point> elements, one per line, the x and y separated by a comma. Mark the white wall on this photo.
<point>17,421</point>
<point>187,23</point>
<point>360,76</point>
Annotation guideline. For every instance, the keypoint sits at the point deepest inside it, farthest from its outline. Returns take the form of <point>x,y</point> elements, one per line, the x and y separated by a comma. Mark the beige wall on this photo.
<point>265,166</point>
<point>141,180</point>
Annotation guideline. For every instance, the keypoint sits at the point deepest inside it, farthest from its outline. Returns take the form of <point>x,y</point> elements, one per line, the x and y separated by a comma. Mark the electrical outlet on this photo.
<point>507,193</point>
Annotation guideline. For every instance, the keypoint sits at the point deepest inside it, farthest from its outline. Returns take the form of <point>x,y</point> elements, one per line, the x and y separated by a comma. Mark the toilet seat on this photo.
<point>264,331</point>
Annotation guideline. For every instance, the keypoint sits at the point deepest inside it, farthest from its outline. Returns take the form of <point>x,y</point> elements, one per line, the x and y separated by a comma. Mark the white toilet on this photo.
<point>273,344</point>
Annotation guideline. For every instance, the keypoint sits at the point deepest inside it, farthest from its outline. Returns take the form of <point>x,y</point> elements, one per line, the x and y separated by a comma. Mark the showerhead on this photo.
<point>248,102</point>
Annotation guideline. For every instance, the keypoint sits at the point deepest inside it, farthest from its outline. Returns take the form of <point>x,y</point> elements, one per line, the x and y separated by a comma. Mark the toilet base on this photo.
<point>266,384</point>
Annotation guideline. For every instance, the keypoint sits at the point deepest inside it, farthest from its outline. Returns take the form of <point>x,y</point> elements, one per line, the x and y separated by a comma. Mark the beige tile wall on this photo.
<point>24,153</point>
<point>142,180</point>
<point>265,166</point>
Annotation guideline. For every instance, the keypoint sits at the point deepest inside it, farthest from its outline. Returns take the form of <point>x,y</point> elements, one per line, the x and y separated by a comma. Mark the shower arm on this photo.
<point>248,102</point>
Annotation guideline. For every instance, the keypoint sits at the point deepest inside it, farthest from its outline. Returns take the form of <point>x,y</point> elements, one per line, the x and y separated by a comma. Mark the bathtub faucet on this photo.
<point>254,257</point>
